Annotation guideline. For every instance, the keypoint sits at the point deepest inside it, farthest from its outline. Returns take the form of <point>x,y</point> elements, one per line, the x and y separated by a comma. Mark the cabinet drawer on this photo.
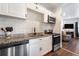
<point>46,39</point>
<point>32,41</point>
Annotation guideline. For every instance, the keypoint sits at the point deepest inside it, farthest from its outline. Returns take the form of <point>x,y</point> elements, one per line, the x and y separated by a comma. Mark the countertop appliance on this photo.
<point>48,31</point>
<point>51,20</point>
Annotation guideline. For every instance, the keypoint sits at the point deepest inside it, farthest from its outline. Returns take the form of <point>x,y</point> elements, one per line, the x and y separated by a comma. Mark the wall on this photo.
<point>69,10</point>
<point>57,27</point>
<point>33,19</point>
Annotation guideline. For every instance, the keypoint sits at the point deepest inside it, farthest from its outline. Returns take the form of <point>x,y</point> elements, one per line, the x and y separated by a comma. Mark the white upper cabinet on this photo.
<point>18,10</point>
<point>31,6</point>
<point>4,8</point>
<point>45,17</point>
<point>40,9</point>
<point>37,8</point>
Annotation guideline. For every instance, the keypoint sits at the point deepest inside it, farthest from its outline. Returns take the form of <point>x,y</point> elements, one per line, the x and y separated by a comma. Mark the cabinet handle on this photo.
<point>36,7</point>
<point>40,39</point>
<point>40,49</point>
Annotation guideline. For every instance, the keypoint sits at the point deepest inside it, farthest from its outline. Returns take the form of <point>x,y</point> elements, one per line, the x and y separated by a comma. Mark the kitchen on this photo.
<point>28,29</point>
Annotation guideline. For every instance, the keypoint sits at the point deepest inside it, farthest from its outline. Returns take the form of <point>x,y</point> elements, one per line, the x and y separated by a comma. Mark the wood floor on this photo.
<point>61,52</point>
<point>72,45</point>
<point>70,48</point>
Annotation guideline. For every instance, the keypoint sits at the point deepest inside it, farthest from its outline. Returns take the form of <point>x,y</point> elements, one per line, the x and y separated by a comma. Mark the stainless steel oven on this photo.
<point>56,42</point>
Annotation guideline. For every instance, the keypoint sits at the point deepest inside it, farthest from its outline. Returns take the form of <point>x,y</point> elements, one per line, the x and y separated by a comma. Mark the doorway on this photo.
<point>76,29</point>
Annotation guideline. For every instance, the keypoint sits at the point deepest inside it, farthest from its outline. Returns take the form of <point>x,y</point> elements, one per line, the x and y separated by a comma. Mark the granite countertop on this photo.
<point>19,39</point>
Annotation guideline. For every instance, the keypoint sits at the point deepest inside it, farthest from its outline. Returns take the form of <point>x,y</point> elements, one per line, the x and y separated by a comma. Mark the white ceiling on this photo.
<point>51,6</point>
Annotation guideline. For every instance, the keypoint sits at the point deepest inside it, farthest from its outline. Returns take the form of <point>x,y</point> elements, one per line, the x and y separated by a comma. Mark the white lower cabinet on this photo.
<point>43,49</point>
<point>34,47</point>
<point>49,43</point>
<point>41,46</point>
<point>46,45</point>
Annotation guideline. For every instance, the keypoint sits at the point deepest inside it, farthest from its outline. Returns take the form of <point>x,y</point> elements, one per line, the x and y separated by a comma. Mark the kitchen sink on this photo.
<point>32,35</point>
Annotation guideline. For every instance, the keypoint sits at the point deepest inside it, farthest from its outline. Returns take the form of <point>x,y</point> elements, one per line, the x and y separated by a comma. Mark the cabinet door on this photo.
<point>35,50</point>
<point>4,8</point>
<point>46,45</point>
<point>45,17</point>
<point>43,49</point>
<point>17,9</point>
<point>49,43</point>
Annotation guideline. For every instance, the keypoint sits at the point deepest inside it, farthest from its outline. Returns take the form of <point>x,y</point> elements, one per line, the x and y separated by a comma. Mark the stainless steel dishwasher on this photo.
<point>7,51</point>
<point>20,49</point>
<point>4,52</point>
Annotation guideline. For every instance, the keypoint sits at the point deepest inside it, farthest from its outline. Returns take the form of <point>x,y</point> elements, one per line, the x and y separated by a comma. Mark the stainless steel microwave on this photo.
<point>51,19</point>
